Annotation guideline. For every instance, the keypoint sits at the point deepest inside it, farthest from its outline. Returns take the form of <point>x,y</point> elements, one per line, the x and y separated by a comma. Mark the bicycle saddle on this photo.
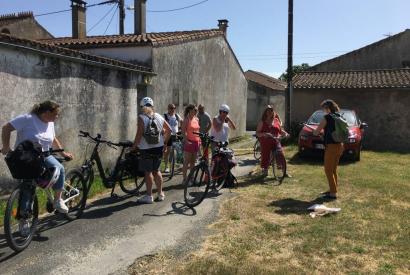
<point>126,143</point>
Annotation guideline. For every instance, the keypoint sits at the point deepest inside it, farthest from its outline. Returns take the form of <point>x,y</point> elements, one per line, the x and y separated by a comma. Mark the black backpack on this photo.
<point>152,132</point>
<point>26,161</point>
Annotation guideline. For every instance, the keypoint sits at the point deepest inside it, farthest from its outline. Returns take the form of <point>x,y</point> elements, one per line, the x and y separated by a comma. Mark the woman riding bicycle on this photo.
<point>38,126</point>
<point>269,128</point>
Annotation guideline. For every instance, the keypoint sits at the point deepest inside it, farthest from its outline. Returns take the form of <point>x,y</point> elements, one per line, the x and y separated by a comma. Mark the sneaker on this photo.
<point>166,170</point>
<point>60,206</point>
<point>161,197</point>
<point>24,228</point>
<point>265,173</point>
<point>145,200</point>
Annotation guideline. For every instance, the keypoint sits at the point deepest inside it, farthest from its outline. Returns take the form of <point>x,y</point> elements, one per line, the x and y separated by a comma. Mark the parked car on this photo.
<point>308,143</point>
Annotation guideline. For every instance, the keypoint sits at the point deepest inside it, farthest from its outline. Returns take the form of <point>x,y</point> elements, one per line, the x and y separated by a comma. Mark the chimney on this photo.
<point>140,16</point>
<point>223,26</point>
<point>79,18</point>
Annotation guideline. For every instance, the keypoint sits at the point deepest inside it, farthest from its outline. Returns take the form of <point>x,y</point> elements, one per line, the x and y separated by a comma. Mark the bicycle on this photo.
<point>176,148</point>
<point>23,207</point>
<point>124,169</point>
<point>278,162</point>
<point>257,149</point>
<point>196,189</point>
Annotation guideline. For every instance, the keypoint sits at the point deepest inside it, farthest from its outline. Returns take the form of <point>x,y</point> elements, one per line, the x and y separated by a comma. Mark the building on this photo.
<point>197,66</point>
<point>97,94</point>
<point>263,90</point>
<point>380,97</point>
<point>23,25</point>
<point>390,53</point>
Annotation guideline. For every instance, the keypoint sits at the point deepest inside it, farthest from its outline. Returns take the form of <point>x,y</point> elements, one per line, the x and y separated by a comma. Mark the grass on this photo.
<point>267,229</point>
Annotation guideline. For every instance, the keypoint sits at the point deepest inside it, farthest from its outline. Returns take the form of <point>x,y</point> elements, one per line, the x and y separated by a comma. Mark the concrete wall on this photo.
<point>141,55</point>
<point>203,72</point>
<point>386,111</point>
<point>258,98</point>
<point>386,54</point>
<point>27,28</point>
<point>93,99</point>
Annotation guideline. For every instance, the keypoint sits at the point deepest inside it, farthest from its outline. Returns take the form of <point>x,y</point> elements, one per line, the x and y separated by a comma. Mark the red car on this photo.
<point>308,143</point>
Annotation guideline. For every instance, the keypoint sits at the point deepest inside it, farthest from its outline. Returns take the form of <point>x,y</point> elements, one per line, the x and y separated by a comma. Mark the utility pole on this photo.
<point>289,91</point>
<point>121,7</point>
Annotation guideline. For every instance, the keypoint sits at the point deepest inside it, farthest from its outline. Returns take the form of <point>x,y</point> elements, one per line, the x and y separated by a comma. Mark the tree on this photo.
<point>296,69</point>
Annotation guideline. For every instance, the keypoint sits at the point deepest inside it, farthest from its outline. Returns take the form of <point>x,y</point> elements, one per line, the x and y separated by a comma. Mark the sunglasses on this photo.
<point>224,112</point>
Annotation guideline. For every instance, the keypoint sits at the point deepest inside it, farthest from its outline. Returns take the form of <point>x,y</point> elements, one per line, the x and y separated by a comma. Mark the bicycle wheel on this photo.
<point>278,164</point>
<point>75,185</point>
<point>15,239</point>
<point>196,185</point>
<point>128,183</point>
<point>172,158</point>
<point>257,150</point>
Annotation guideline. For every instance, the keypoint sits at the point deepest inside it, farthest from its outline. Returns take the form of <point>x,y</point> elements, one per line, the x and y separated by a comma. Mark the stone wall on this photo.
<point>93,99</point>
<point>258,98</point>
<point>201,72</point>
<point>385,110</point>
<point>389,53</point>
<point>27,28</point>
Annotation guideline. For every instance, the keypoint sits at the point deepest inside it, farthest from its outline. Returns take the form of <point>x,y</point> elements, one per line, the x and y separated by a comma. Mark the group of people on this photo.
<point>156,133</point>
<point>168,127</point>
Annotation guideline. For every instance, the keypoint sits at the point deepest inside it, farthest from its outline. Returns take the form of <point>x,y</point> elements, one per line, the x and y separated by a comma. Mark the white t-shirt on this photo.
<point>173,121</point>
<point>143,145</point>
<point>223,135</point>
<point>31,127</point>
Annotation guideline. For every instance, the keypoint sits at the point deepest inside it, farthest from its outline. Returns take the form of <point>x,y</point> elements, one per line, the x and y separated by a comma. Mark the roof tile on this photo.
<point>265,80</point>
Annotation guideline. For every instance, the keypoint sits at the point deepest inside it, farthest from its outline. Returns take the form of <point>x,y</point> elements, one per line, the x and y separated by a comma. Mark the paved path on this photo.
<point>113,233</point>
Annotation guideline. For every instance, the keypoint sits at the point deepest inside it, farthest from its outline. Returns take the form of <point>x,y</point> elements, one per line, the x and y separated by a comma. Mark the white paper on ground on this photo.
<point>321,210</point>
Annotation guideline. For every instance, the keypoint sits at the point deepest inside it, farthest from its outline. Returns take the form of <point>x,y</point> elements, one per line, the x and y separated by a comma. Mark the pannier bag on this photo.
<point>26,161</point>
<point>131,164</point>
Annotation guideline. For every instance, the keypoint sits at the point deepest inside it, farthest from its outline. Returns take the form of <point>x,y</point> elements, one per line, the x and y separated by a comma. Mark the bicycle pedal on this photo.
<point>114,196</point>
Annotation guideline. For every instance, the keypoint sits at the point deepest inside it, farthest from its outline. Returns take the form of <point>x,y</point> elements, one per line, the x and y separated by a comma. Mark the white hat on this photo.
<point>224,108</point>
<point>147,101</point>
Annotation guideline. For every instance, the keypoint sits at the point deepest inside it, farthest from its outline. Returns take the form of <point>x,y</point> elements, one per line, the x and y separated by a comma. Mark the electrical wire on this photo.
<point>112,17</point>
<point>61,11</point>
<point>49,13</point>
<point>295,54</point>
<point>101,19</point>
<point>178,9</point>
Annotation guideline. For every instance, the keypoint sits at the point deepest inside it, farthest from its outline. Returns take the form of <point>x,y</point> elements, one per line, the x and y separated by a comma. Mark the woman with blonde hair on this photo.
<point>268,128</point>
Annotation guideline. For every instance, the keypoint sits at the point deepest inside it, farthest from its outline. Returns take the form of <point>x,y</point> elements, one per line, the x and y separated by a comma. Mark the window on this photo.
<point>406,64</point>
<point>175,97</point>
<point>186,98</point>
<point>6,31</point>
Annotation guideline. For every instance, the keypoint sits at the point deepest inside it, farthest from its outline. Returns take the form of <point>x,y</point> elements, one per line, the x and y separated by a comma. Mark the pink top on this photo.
<point>192,126</point>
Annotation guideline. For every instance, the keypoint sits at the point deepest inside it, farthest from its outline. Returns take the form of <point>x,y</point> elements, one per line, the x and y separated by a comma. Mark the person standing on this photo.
<point>333,149</point>
<point>205,121</point>
<point>268,128</point>
<point>152,133</point>
<point>221,124</point>
<point>192,141</point>
<point>175,121</point>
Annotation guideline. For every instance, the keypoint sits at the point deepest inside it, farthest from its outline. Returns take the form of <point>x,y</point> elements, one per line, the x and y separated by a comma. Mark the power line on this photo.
<point>53,12</point>
<point>61,11</point>
<point>102,18</point>
<point>112,17</point>
<point>178,9</point>
<point>306,53</point>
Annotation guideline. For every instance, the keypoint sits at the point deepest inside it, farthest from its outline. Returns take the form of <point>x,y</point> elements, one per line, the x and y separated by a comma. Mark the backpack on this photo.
<point>26,161</point>
<point>152,132</point>
<point>341,133</point>
<point>176,115</point>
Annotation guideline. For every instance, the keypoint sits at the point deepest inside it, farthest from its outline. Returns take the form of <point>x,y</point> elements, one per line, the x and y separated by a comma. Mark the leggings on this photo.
<point>333,152</point>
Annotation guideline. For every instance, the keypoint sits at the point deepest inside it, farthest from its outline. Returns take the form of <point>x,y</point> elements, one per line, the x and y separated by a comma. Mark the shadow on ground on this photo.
<point>292,206</point>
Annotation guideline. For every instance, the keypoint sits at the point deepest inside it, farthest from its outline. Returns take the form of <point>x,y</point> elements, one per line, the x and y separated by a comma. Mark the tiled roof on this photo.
<point>70,54</point>
<point>394,78</point>
<point>7,19</point>
<point>265,80</point>
<point>154,39</point>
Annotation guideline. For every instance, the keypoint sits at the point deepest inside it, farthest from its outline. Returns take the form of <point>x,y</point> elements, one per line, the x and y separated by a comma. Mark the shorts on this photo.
<point>191,146</point>
<point>150,160</point>
<point>171,140</point>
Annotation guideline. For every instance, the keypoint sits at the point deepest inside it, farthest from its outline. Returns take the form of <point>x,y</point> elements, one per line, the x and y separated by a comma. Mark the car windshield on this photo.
<point>346,114</point>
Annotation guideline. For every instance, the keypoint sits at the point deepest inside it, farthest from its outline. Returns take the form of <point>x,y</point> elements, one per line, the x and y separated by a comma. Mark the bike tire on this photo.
<point>12,238</point>
<point>132,188</point>
<point>279,173</point>
<point>172,158</point>
<point>257,150</point>
<point>196,190</point>
<point>75,179</point>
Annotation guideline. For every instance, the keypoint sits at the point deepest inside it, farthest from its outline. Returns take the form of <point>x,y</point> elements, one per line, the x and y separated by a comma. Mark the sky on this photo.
<point>257,28</point>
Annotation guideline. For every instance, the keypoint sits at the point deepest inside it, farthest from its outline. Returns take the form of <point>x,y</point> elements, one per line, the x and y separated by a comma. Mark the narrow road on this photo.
<point>113,233</point>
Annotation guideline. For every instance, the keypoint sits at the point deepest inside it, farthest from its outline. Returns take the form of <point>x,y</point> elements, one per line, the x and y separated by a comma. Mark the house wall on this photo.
<point>27,28</point>
<point>385,110</point>
<point>258,98</point>
<point>93,99</point>
<point>204,72</point>
<point>386,54</point>
<point>140,55</point>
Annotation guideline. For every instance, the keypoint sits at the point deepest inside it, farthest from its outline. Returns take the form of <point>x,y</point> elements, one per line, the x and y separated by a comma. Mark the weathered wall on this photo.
<point>27,28</point>
<point>200,72</point>
<point>258,98</point>
<point>140,55</point>
<point>93,99</point>
<point>389,53</point>
<point>386,111</point>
